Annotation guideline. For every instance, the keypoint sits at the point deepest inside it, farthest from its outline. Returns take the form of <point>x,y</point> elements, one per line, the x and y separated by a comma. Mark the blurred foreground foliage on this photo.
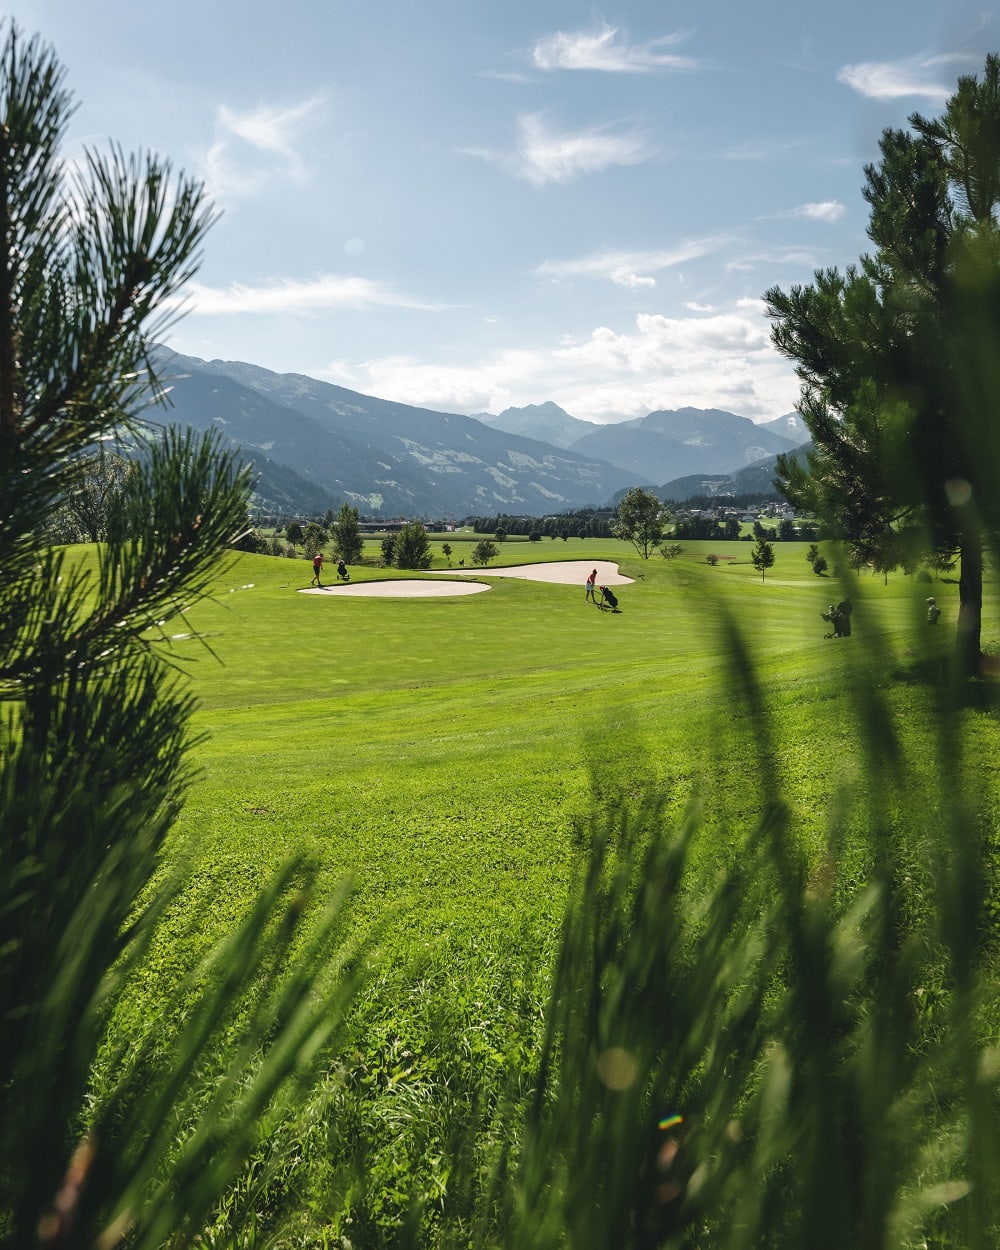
<point>780,1045</point>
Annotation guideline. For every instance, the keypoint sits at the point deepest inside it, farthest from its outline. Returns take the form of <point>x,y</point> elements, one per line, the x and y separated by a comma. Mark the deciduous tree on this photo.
<point>313,538</point>
<point>345,533</point>
<point>639,520</point>
<point>484,551</point>
<point>87,507</point>
<point>412,549</point>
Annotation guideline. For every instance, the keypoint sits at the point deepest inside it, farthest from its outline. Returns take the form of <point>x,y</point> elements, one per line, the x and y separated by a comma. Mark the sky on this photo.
<point>470,205</point>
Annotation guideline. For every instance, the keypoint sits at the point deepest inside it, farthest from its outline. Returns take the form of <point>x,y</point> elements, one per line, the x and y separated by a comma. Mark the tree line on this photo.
<point>706,527</point>
<point>583,523</point>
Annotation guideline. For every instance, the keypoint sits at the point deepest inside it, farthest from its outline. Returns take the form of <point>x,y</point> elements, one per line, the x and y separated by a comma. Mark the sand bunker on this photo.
<point>558,572</point>
<point>402,589</point>
<point>562,572</point>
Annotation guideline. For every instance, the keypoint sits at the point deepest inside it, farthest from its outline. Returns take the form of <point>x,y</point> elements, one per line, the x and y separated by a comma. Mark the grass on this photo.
<point>451,755</point>
<point>441,749</point>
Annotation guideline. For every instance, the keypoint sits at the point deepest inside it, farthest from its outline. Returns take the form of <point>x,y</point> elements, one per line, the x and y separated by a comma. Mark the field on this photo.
<point>442,750</point>
<point>455,758</point>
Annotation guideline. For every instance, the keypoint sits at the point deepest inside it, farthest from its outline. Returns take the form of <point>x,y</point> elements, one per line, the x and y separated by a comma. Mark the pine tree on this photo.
<point>93,725</point>
<point>762,556</point>
<point>897,355</point>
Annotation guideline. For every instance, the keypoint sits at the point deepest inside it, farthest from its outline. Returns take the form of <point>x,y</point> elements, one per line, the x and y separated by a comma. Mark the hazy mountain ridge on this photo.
<point>547,422</point>
<point>790,426</point>
<point>671,444</point>
<point>754,479</point>
<point>380,455</point>
<point>315,445</point>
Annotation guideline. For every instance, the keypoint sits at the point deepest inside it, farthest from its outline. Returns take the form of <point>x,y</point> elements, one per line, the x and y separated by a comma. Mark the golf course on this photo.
<point>456,757</point>
<point>616,873</point>
<point>443,750</point>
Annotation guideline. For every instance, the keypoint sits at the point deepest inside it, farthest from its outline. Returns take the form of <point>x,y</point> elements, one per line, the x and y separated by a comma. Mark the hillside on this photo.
<point>384,457</point>
<point>676,443</point>
<point>755,479</point>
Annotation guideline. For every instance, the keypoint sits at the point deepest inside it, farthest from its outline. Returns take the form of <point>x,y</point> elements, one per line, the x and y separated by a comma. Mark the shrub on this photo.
<point>412,550</point>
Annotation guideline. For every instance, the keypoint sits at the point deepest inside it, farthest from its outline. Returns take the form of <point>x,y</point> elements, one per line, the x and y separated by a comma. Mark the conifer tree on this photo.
<point>897,355</point>
<point>93,717</point>
<point>762,556</point>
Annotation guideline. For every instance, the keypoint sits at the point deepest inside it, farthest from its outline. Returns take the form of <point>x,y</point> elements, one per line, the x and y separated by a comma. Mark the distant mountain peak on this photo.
<point>547,422</point>
<point>675,443</point>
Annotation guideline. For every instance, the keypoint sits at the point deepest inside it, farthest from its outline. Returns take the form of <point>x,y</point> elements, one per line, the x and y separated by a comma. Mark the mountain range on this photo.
<point>315,445</point>
<point>755,479</point>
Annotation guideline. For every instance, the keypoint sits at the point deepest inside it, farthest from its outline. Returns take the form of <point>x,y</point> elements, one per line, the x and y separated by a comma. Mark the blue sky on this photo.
<point>471,205</point>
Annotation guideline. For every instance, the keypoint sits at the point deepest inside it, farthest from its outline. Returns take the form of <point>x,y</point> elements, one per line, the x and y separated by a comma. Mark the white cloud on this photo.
<point>725,360</point>
<point>607,50</point>
<point>251,148</point>
<point>543,154</point>
<point>631,269</point>
<point>932,77</point>
<point>625,276</point>
<point>328,291</point>
<point>824,210</point>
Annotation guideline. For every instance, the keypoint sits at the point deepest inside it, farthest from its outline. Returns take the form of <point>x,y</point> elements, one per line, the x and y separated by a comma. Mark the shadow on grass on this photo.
<point>980,693</point>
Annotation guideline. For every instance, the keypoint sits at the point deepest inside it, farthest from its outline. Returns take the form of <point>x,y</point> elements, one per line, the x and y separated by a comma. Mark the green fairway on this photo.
<point>441,749</point>
<point>455,758</point>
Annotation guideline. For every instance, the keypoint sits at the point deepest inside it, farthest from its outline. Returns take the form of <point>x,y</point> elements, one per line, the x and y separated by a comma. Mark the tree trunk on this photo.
<point>970,605</point>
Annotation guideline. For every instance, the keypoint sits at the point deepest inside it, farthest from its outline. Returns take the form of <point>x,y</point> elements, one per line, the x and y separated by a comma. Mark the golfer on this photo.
<point>317,569</point>
<point>591,583</point>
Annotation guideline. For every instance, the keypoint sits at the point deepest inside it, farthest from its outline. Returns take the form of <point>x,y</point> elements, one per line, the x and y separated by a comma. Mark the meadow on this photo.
<point>456,760</point>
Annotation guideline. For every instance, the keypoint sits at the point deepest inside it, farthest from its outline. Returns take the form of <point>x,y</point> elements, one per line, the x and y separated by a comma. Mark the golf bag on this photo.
<point>840,618</point>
